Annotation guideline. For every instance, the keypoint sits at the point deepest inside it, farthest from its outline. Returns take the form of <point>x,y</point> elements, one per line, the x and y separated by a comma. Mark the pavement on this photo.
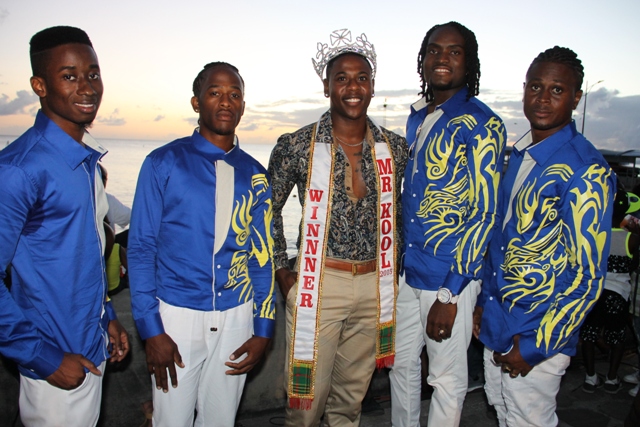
<point>127,385</point>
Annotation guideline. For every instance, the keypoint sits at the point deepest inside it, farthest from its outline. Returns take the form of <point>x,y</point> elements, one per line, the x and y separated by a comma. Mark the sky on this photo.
<point>150,52</point>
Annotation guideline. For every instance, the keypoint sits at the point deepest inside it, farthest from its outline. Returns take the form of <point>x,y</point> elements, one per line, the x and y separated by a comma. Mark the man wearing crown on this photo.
<point>341,298</point>
<point>449,208</point>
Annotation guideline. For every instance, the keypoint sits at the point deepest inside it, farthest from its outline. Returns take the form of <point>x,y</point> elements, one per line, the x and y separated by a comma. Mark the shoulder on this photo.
<point>300,136</point>
<point>480,111</point>
<point>251,163</point>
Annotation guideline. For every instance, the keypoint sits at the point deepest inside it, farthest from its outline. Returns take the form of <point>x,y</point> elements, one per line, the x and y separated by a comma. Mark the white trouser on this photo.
<point>42,404</point>
<point>202,383</point>
<point>525,401</point>
<point>447,359</point>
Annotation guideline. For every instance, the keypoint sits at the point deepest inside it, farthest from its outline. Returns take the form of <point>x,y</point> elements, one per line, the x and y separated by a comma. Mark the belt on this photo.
<point>355,267</point>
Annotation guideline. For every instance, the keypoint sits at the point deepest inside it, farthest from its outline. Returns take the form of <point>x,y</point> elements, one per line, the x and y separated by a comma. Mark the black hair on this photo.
<point>197,83</point>
<point>52,37</point>
<point>562,55</point>
<point>333,60</point>
<point>471,60</point>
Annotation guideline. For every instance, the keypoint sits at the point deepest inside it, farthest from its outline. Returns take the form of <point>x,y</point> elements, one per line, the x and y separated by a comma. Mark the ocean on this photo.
<point>125,157</point>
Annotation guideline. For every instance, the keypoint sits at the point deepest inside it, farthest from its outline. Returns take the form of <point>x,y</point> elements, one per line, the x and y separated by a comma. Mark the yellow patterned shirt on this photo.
<point>546,269</point>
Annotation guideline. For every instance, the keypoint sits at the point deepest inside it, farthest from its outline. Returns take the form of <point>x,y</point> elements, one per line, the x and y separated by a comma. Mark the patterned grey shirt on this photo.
<point>353,228</point>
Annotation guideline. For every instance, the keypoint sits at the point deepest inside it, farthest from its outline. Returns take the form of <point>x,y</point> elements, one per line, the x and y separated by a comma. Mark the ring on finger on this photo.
<point>512,374</point>
<point>441,332</point>
<point>506,368</point>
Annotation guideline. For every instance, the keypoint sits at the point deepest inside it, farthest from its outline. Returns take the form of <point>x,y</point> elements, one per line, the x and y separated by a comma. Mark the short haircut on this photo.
<point>333,60</point>
<point>562,55</point>
<point>471,60</point>
<point>52,37</point>
<point>197,83</point>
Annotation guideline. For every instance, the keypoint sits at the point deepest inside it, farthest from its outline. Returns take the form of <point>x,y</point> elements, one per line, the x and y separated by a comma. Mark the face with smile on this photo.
<point>444,63</point>
<point>550,96</point>
<point>71,89</point>
<point>350,86</point>
<point>220,103</point>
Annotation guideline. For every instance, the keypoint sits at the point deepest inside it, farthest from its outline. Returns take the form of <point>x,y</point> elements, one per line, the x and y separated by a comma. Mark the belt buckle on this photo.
<point>354,269</point>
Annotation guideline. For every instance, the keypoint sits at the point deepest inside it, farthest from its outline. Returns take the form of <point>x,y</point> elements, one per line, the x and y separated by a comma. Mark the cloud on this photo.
<point>249,127</point>
<point>16,106</point>
<point>612,120</point>
<point>193,121</point>
<point>158,118</point>
<point>112,120</point>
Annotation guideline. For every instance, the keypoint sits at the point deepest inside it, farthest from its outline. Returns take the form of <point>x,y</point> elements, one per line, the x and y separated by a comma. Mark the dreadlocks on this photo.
<point>562,55</point>
<point>197,83</point>
<point>472,62</point>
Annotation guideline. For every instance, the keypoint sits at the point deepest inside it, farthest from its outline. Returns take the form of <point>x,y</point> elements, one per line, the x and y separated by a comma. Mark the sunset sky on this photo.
<point>150,52</point>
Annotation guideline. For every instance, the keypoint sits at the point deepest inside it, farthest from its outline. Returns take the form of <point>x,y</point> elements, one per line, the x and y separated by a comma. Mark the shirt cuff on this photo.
<point>529,352</point>
<point>263,327</point>
<point>455,282</point>
<point>110,311</point>
<point>46,362</point>
<point>150,326</point>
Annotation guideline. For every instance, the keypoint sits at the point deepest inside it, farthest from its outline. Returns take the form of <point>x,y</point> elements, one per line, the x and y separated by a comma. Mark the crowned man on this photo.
<point>340,301</point>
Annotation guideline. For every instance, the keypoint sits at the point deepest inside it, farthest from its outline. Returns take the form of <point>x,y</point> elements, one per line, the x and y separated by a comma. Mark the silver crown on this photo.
<point>341,43</point>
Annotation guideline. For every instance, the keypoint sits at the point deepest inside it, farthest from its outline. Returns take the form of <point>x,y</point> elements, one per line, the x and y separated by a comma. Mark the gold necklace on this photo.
<point>347,144</point>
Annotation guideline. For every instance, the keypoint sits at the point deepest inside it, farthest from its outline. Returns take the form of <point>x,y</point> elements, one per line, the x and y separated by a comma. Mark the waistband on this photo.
<point>355,267</point>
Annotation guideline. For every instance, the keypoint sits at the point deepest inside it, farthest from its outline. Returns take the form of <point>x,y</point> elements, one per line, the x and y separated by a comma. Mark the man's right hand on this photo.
<point>286,279</point>
<point>70,374</point>
<point>163,354</point>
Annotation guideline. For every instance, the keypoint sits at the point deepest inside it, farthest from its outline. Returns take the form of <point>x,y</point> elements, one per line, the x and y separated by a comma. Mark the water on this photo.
<point>125,157</point>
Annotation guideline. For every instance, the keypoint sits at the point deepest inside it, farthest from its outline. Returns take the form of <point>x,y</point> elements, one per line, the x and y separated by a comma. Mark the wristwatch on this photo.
<point>446,297</point>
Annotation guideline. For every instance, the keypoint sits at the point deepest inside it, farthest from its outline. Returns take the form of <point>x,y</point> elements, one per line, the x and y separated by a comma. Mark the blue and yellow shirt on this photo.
<point>450,191</point>
<point>546,269</point>
<point>171,238</point>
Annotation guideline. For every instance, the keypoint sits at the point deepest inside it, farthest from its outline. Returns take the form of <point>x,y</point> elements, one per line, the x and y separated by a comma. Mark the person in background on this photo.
<point>340,302</point>
<point>56,323</point>
<point>448,203</point>
<point>546,269</point>
<point>610,312</point>
<point>201,261</point>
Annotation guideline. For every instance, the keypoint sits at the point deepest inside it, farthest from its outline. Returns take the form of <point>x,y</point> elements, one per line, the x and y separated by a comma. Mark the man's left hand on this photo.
<point>254,348</point>
<point>119,341</point>
<point>440,320</point>
<point>512,362</point>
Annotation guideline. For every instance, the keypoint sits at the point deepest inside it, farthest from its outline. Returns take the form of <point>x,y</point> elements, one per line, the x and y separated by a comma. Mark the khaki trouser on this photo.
<point>346,349</point>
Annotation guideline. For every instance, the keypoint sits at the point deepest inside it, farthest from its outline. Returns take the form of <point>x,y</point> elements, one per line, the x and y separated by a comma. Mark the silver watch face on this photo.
<point>444,296</point>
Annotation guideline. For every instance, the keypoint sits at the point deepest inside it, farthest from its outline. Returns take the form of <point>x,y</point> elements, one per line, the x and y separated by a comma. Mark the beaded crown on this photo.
<point>340,44</point>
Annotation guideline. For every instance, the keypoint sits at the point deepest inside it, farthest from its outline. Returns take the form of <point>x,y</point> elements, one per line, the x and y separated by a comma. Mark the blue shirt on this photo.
<point>546,269</point>
<point>450,192</point>
<point>171,237</point>
<point>50,235</point>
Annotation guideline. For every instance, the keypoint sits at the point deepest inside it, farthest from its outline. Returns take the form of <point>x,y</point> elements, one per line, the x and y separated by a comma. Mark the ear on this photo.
<point>195,104</point>
<point>373,86</point>
<point>577,99</point>
<point>325,83</point>
<point>39,86</point>
<point>524,85</point>
<point>242,112</point>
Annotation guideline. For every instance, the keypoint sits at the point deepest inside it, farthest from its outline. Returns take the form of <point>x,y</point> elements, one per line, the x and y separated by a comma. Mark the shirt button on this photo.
<point>494,273</point>
<point>502,248</point>
<point>490,298</point>
<point>346,164</point>
<point>414,194</point>
<point>410,245</point>
<point>218,266</point>
<point>411,219</point>
<point>348,188</point>
<point>219,294</point>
